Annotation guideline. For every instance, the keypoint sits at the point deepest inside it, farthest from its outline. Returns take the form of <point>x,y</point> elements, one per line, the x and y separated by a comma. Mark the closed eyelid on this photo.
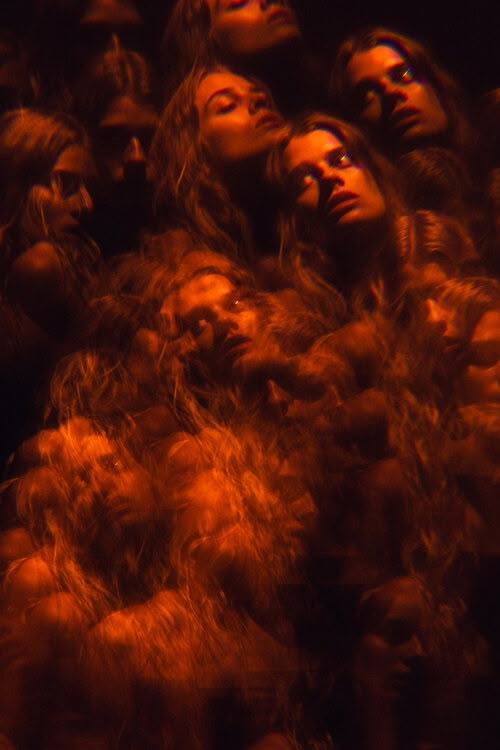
<point>227,95</point>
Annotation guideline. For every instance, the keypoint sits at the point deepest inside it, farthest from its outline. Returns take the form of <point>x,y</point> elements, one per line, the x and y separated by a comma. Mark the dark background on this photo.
<point>464,36</point>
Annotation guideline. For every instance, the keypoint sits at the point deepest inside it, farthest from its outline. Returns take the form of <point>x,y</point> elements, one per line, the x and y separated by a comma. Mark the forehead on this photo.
<point>74,159</point>
<point>218,81</point>
<point>127,111</point>
<point>111,13</point>
<point>488,327</point>
<point>373,62</point>
<point>202,291</point>
<point>403,600</point>
<point>310,147</point>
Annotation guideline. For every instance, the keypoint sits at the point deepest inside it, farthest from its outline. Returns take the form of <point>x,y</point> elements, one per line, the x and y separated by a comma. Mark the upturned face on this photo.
<point>390,96</point>
<point>122,489</point>
<point>325,182</point>
<point>225,325</point>
<point>248,28</point>
<point>238,120</point>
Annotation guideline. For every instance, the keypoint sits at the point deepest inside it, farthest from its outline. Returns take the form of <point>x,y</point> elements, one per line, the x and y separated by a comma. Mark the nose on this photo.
<point>134,160</point>
<point>257,102</point>
<point>415,650</point>
<point>223,323</point>
<point>392,92</point>
<point>329,180</point>
<point>86,202</point>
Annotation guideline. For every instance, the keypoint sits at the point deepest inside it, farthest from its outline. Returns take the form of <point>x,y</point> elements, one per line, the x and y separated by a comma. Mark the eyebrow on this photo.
<point>310,164</point>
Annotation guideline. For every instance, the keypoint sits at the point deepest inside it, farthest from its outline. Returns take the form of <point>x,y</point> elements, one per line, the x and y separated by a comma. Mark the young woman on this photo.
<point>343,220</point>
<point>417,114</point>
<point>262,39</point>
<point>46,173</point>
<point>209,160</point>
<point>48,262</point>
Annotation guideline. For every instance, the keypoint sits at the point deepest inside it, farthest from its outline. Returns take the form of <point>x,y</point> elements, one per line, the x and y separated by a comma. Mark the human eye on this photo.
<point>65,184</point>
<point>195,323</point>
<point>301,179</point>
<point>365,94</point>
<point>403,73</point>
<point>225,104</point>
<point>341,159</point>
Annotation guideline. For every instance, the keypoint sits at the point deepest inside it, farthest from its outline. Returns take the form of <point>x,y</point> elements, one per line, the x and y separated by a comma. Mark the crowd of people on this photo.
<point>250,386</point>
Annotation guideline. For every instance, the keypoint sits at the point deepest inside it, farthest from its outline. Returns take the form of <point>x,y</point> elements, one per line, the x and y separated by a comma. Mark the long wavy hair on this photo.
<point>308,264</point>
<point>30,144</point>
<point>186,41</point>
<point>188,189</point>
<point>448,91</point>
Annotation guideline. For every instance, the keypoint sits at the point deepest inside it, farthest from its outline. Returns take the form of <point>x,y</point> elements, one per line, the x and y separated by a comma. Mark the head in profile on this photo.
<point>236,33</point>
<point>47,173</point>
<point>390,85</point>
<point>393,619</point>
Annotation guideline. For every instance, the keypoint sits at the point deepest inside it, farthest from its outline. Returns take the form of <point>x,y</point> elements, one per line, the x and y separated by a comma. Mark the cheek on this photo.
<point>249,324</point>
<point>308,200</point>
<point>431,108</point>
<point>226,140</point>
<point>373,200</point>
<point>371,113</point>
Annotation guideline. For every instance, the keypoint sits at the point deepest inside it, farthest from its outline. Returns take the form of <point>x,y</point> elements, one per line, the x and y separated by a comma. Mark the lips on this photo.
<point>269,121</point>
<point>404,117</point>
<point>234,346</point>
<point>281,16</point>
<point>339,203</point>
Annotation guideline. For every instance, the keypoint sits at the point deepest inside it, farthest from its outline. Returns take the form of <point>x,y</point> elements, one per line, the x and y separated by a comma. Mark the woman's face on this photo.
<point>391,647</point>
<point>390,96</point>
<point>480,381</point>
<point>325,182</point>
<point>237,119</point>
<point>66,199</point>
<point>224,324</point>
<point>123,489</point>
<point>248,28</point>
